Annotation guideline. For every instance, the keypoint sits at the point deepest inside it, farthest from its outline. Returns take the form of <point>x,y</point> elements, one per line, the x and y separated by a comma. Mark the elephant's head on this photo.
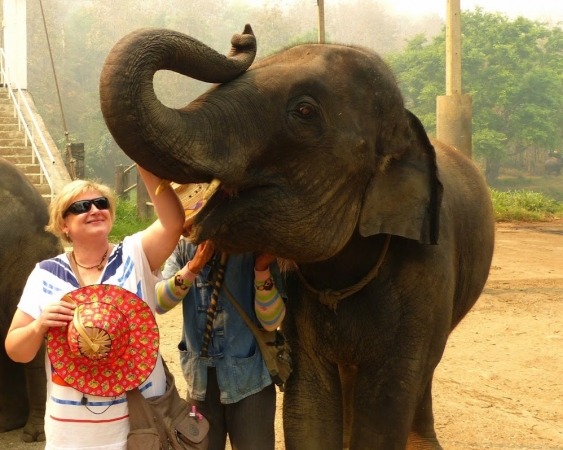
<point>310,144</point>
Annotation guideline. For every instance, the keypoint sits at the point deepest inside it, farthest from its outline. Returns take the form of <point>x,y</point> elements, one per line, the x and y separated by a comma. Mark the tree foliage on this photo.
<point>513,71</point>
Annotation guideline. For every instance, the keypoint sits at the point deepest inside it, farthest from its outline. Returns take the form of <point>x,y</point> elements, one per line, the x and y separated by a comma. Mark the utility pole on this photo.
<point>321,5</point>
<point>453,110</point>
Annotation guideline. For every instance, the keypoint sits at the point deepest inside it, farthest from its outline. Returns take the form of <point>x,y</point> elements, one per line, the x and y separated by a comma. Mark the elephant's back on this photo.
<point>23,239</point>
<point>467,222</point>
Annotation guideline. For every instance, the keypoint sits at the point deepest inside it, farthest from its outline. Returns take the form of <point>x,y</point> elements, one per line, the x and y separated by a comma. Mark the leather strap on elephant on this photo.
<point>218,278</point>
<point>330,298</point>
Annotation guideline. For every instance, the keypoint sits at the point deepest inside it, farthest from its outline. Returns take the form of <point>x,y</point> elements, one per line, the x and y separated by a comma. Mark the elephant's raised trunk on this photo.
<point>150,133</point>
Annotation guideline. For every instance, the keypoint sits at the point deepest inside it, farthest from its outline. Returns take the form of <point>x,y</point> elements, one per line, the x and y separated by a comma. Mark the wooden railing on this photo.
<point>123,187</point>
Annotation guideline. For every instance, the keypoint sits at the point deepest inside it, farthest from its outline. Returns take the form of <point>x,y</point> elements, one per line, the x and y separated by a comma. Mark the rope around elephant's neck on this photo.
<point>330,298</point>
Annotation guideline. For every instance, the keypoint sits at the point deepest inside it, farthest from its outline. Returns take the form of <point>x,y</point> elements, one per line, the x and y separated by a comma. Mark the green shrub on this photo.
<point>525,206</point>
<point>515,205</point>
<point>126,221</point>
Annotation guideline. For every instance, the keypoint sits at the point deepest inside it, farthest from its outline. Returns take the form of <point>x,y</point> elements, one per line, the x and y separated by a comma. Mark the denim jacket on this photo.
<point>232,350</point>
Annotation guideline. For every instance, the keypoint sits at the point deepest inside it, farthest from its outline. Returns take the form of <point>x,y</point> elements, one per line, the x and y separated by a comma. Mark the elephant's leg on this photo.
<point>37,392</point>
<point>312,406</point>
<point>13,394</point>
<point>423,435</point>
<point>348,380</point>
<point>383,407</point>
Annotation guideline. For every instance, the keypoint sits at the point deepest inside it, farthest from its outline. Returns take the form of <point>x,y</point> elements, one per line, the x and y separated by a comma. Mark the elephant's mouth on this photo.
<point>215,197</point>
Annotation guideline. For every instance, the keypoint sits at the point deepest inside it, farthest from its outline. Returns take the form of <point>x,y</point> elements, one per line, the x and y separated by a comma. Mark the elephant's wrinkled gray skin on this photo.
<point>320,161</point>
<point>553,165</point>
<point>23,243</point>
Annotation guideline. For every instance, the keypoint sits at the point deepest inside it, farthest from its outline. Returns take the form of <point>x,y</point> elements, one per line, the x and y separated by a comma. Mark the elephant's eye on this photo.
<point>305,110</point>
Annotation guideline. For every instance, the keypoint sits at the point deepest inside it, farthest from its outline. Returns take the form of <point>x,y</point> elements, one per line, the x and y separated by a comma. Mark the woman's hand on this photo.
<point>57,314</point>
<point>26,334</point>
<point>203,254</point>
<point>263,261</point>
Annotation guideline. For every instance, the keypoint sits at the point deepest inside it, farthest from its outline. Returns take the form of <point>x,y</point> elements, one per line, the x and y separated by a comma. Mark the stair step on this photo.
<point>30,169</point>
<point>12,133</point>
<point>8,119</point>
<point>43,189</point>
<point>6,107</point>
<point>11,127</point>
<point>12,142</point>
<point>19,158</point>
<point>15,150</point>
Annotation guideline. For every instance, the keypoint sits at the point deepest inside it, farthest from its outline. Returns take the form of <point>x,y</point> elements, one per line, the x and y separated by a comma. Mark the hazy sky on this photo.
<point>546,10</point>
<point>538,9</point>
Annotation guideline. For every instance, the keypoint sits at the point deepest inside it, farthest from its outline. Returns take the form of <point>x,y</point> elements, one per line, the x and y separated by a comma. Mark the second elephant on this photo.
<point>23,243</point>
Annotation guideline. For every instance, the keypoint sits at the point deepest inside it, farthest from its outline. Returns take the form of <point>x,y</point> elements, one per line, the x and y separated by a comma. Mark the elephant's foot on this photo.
<point>11,423</point>
<point>33,432</point>
<point>419,442</point>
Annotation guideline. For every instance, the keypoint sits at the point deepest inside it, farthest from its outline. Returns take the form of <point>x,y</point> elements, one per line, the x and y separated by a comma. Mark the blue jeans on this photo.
<point>248,422</point>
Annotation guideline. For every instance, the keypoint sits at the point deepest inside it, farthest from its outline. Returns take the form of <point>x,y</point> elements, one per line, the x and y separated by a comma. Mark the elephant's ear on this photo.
<point>404,198</point>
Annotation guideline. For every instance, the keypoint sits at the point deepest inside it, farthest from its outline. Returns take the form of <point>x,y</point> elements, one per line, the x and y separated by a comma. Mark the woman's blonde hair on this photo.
<point>65,198</point>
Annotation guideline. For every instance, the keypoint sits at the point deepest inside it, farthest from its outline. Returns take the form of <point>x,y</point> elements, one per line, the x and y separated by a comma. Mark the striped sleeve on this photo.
<point>171,292</point>
<point>268,303</point>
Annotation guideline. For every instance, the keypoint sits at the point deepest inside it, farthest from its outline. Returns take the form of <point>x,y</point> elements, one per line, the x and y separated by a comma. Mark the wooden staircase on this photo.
<point>15,148</point>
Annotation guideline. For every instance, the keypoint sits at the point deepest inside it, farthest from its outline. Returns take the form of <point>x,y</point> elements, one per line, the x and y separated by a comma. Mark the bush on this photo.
<point>126,221</point>
<point>525,206</point>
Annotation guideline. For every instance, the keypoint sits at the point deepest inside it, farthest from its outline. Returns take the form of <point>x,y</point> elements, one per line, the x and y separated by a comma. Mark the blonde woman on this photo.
<point>83,214</point>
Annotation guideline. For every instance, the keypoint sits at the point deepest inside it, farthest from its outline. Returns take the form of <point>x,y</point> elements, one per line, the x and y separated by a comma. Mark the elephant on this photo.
<point>385,236</point>
<point>553,165</point>
<point>23,243</point>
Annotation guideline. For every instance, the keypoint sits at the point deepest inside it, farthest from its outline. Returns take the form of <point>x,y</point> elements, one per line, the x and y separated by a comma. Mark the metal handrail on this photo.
<point>7,79</point>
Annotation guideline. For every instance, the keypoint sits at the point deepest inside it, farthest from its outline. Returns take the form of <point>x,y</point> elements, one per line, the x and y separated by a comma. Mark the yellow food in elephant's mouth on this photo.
<point>192,196</point>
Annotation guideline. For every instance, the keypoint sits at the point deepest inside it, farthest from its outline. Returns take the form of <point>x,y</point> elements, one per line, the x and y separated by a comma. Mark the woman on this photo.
<point>83,214</point>
<point>231,386</point>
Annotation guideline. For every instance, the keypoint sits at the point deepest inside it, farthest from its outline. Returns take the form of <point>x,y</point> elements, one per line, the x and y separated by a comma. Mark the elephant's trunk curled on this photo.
<point>150,133</point>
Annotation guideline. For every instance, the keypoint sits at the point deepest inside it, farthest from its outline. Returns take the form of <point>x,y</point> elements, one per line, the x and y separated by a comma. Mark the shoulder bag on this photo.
<point>273,346</point>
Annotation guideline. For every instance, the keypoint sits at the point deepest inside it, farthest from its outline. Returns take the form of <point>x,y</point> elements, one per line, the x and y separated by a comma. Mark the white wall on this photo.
<point>15,38</point>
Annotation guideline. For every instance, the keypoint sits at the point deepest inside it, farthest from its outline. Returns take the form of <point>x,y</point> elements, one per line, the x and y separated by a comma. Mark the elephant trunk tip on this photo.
<point>243,44</point>
<point>248,29</point>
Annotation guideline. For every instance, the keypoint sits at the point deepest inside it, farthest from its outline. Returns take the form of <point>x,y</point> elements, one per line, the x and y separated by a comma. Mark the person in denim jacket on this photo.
<point>231,387</point>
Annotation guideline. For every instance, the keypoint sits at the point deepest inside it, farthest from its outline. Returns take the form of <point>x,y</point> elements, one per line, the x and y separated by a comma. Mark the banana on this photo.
<point>163,184</point>
<point>211,189</point>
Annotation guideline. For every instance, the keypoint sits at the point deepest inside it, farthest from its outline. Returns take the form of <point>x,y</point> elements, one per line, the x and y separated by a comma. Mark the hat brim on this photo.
<point>104,377</point>
<point>191,196</point>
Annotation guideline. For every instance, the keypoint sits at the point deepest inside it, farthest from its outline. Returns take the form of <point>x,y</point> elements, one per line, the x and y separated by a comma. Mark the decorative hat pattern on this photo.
<point>192,198</point>
<point>111,345</point>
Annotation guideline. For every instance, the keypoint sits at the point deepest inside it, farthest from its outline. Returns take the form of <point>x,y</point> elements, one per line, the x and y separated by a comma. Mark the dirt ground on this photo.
<point>500,382</point>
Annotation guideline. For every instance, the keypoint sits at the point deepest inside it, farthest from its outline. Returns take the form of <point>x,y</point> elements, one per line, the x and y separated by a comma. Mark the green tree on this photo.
<point>512,69</point>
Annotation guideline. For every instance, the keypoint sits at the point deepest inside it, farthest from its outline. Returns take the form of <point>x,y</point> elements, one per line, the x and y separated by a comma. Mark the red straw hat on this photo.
<point>110,347</point>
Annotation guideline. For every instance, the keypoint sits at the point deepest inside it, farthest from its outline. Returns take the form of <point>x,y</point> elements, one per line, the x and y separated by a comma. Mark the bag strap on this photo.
<point>253,327</point>
<point>268,357</point>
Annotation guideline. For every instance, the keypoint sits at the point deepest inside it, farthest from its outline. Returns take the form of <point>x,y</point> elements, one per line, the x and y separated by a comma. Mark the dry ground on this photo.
<point>500,383</point>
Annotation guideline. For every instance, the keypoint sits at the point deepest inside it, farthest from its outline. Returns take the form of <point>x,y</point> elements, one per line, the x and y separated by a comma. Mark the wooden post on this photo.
<point>143,209</point>
<point>119,180</point>
<point>454,110</point>
<point>321,5</point>
<point>453,48</point>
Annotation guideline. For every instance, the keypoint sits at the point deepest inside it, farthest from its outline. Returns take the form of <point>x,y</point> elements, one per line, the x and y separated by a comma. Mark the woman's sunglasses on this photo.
<point>83,206</point>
